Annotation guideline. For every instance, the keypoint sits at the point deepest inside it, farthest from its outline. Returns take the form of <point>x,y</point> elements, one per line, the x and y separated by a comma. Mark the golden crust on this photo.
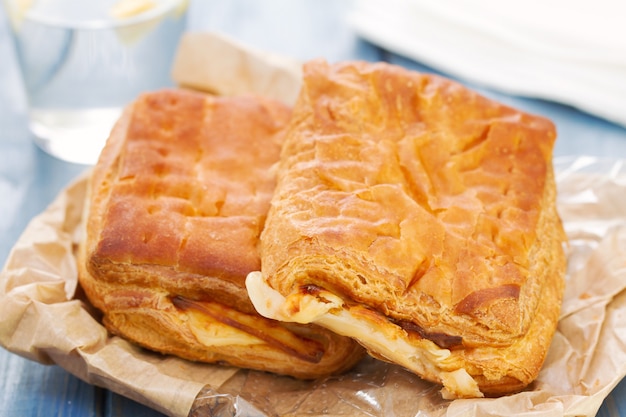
<point>177,202</point>
<point>430,205</point>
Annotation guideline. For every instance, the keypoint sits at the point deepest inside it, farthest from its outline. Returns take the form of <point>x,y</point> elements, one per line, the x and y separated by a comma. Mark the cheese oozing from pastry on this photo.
<point>389,341</point>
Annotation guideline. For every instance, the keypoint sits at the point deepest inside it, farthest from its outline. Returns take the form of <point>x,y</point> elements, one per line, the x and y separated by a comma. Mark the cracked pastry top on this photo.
<point>177,201</point>
<point>418,217</point>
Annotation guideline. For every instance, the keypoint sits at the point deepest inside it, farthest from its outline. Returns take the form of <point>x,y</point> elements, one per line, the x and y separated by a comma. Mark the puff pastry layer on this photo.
<point>177,201</point>
<point>419,218</point>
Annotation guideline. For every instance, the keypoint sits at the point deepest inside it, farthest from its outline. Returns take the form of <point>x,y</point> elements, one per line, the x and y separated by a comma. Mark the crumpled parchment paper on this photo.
<point>44,316</point>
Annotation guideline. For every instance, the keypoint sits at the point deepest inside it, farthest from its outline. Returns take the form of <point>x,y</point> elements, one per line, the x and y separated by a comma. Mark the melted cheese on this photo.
<point>387,340</point>
<point>211,332</point>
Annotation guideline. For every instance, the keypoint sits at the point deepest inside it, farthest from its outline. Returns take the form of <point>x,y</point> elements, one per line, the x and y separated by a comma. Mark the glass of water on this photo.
<point>82,61</point>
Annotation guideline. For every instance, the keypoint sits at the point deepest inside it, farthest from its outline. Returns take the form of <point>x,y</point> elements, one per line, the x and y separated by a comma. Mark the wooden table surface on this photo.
<point>304,29</point>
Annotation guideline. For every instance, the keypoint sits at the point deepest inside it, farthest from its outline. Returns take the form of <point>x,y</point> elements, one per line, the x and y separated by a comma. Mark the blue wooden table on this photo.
<point>30,179</point>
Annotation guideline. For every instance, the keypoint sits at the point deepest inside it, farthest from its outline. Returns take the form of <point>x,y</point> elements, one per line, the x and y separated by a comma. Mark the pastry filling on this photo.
<point>215,324</point>
<point>374,331</point>
<point>442,340</point>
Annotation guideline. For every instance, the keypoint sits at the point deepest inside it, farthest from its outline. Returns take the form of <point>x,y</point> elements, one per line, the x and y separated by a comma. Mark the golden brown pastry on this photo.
<point>178,200</point>
<point>419,218</point>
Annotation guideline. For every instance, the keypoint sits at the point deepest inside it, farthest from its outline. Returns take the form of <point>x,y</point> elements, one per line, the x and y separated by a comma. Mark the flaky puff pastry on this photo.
<point>177,201</point>
<point>419,218</point>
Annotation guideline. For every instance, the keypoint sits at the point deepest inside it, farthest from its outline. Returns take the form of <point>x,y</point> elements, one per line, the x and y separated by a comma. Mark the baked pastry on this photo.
<point>177,202</point>
<point>419,218</point>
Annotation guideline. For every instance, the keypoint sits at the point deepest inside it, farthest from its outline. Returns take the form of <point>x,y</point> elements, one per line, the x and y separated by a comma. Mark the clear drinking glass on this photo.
<point>82,61</point>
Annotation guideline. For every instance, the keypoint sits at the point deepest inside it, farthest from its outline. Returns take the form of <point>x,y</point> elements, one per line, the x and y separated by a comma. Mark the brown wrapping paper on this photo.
<point>219,65</point>
<point>44,317</point>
